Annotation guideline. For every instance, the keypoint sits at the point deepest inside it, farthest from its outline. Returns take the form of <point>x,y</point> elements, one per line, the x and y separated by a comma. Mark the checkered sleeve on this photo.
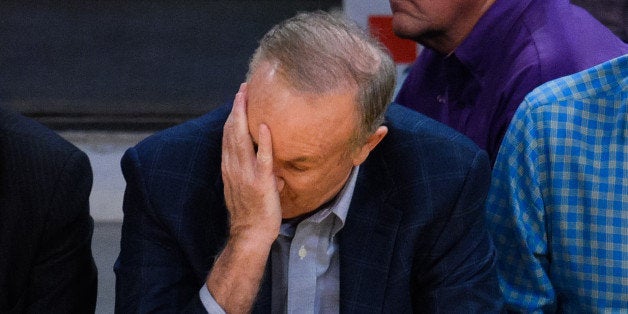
<point>557,205</point>
<point>516,217</point>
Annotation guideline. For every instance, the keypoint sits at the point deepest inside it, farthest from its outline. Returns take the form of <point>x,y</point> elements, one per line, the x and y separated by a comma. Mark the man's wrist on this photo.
<point>253,236</point>
<point>234,280</point>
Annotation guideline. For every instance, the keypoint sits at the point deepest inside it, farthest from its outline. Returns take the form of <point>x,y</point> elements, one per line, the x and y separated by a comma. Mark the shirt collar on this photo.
<point>484,42</point>
<point>339,207</point>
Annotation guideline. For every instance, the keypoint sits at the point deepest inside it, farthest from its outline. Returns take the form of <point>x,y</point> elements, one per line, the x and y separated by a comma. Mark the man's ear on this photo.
<point>360,154</point>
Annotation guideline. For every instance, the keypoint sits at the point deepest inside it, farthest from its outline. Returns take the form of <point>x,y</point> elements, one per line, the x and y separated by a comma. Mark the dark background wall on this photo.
<point>612,13</point>
<point>130,63</point>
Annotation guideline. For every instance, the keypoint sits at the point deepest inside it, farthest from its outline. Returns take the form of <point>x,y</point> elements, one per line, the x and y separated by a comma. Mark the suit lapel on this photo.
<point>367,240</point>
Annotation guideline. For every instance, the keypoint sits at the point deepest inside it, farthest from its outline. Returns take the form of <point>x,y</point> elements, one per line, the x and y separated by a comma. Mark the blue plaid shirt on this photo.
<point>558,204</point>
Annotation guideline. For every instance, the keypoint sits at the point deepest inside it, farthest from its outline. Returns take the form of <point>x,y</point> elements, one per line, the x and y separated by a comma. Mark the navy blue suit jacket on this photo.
<point>414,238</point>
<point>46,263</point>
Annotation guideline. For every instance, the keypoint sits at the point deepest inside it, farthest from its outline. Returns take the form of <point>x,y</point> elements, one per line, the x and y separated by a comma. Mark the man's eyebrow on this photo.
<point>300,159</point>
<point>304,159</point>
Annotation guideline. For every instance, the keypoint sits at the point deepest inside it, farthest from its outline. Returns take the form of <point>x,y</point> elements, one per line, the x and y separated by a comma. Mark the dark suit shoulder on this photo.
<point>33,157</point>
<point>173,177</point>
<point>408,127</point>
<point>46,230</point>
<point>182,160</point>
<point>173,213</point>
<point>420,156</point>
<point>204,131</point>
<point>21,136</point>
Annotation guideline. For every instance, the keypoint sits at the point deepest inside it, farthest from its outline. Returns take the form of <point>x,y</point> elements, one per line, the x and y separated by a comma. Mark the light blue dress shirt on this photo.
<point>306,261</point>
<point>558,204</point>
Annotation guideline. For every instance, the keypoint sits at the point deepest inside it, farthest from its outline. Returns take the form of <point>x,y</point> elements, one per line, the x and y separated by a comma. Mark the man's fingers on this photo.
<point>265,150</point>
<point>237,144</point>
<point>238,103</point>
<point>238,113</point>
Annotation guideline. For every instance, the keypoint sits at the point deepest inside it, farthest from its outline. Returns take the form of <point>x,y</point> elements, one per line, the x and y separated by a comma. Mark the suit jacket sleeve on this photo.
<point>461,276</point>
<point>64,277</point>
<point>152,273</point>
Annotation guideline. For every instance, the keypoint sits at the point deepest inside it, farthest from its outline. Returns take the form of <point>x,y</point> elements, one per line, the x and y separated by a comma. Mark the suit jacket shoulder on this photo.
<point>186,158</point>
<point>20,134</point>
<point>45,226</point>
<point>174,216</point>
<point>418,148</point>
<point>414,239</point>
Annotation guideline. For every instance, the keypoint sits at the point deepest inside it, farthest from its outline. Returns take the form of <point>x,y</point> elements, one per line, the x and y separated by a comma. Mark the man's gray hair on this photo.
<point>322,52</point>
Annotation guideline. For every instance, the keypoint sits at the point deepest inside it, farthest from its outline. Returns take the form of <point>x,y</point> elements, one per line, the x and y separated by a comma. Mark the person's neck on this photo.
<point>447,41</point>
<point>297,219</point>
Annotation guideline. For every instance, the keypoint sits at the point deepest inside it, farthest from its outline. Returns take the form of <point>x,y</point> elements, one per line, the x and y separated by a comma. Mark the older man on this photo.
<point>300,199</point>
<point>483,56</point>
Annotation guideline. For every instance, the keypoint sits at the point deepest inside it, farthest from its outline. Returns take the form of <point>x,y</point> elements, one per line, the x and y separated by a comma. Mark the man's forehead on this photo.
<point>299,121</point>
<point>270,97</point>
<point>300,137</point>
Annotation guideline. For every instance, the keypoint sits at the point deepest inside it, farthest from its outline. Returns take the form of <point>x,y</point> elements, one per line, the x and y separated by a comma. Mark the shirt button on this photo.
<point>441,99</point>
<point>302,252</point>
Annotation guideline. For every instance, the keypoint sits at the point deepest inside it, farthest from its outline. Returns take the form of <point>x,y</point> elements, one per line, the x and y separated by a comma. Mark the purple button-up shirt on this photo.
<point>516,46</point>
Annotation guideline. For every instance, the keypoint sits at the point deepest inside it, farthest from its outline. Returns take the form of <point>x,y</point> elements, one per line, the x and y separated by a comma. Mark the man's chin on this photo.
<point>290,212</point>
